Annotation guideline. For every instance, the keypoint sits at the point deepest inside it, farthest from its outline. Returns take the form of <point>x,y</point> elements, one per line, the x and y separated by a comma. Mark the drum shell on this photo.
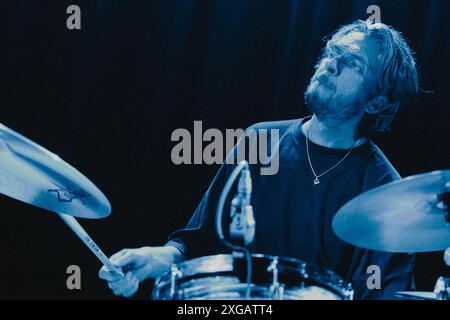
<point>223,277</point>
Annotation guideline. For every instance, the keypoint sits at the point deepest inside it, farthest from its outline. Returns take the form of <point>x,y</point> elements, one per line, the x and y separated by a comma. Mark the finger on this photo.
<point>117,292</point>
<point>115,285</point>
<point>140,274</point>
<point>132,289</point>
<point>143,272</point>
<point>120,285</point>
<point>118,254</point>
<point>124,286</point>
<point>131,292</point>
<point>107,275</point>
<point>127,258</point>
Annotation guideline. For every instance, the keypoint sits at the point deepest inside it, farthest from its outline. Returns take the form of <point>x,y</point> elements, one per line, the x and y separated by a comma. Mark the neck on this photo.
<point>333,133</point>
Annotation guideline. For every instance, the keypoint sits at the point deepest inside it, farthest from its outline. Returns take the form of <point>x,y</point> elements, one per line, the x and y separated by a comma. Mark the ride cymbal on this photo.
<point>407,215</point>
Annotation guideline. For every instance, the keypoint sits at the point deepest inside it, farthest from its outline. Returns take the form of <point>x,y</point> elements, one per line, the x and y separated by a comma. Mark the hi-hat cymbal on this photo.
<point>407,215</point>
<point>34,175</point>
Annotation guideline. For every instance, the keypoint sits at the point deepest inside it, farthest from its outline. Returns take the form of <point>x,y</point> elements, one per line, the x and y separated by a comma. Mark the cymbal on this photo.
<point>419,295</point>
<point>406,215</point>
<point>34,175</point>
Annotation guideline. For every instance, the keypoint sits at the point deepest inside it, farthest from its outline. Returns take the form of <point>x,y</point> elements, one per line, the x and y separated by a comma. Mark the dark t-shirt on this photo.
<point>293,216</point>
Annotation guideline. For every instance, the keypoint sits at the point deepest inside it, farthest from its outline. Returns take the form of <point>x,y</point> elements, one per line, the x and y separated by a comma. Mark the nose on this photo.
<point>332,66</point>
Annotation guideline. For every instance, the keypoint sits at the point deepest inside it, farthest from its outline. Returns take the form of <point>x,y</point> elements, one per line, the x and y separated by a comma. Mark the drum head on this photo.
<point>224,277</point>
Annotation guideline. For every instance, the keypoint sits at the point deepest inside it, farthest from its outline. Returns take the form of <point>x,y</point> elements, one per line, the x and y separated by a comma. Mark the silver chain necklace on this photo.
<point>316,180</point>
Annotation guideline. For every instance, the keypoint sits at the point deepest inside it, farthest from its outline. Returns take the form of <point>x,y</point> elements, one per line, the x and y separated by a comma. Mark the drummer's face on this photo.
<point>345,78</point>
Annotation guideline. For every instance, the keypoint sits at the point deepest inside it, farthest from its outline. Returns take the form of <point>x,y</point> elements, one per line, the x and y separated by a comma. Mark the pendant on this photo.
<point>316,181</point>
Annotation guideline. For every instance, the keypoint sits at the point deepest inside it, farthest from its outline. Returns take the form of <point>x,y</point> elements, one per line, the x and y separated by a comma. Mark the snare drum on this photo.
<point>223,277</point>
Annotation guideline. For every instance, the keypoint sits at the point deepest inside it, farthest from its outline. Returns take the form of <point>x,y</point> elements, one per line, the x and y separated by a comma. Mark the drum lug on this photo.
<point>276,291</point>
<point>303,270</point>
<point>303,273</point>
<point>442,288</point>
<point>175,293</point>
<point>237,255</point>
<point>349,292</point>
<point>347,289</point>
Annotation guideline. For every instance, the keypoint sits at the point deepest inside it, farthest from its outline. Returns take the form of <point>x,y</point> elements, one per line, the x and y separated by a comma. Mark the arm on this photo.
<point>197,238</point>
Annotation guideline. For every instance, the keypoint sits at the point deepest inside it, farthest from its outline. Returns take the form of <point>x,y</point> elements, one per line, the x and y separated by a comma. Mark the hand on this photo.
<point>138,265</point>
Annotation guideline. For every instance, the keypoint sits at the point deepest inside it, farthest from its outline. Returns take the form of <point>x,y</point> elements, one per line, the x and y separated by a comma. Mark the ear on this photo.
<point>377,105</point>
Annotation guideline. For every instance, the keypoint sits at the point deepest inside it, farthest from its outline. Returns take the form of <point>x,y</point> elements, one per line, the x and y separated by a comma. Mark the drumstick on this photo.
<point>87,240</point>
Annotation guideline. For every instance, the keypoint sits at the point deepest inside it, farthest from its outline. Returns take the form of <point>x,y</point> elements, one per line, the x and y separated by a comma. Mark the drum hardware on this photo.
<point>242,227</point>
<point>441,291</point>
<point>175,293</point>
<point>276,291</point>
<point>223,277</point>
<point>442,288</point>
<point>349,292</point>
<point>303,273</point>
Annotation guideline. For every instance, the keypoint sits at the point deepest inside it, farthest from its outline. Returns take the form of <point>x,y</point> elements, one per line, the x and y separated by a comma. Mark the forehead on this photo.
<point>360,44</point>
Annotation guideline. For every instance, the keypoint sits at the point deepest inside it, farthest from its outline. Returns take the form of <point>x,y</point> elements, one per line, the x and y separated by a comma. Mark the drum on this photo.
<point>223,277</point>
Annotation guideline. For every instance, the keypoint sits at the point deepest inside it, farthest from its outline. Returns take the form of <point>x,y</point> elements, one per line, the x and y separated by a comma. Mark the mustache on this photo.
<point>324,80</point>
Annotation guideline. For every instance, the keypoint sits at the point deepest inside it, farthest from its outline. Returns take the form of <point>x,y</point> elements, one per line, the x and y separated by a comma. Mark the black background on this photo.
<point>106,98</point>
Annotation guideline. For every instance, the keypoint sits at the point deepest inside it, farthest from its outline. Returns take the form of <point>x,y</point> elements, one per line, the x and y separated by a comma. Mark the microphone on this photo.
<point>242,227</point>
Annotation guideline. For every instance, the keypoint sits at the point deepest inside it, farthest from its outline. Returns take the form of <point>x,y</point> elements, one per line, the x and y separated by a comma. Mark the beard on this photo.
<point>316,104</point>
<point>330,107</point>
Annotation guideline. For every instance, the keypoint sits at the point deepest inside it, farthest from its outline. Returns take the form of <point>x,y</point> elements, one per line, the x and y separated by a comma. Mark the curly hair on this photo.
<point>398,76</point>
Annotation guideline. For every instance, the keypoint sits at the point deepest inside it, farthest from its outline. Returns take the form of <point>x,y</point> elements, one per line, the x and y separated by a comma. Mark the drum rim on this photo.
<point>332,280</point>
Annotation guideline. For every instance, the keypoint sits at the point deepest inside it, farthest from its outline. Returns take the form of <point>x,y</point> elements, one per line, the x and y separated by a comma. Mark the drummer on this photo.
<point>365,73</point>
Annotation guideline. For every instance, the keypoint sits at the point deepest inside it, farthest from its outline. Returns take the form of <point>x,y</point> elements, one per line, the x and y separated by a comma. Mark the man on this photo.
<point>365,73</point>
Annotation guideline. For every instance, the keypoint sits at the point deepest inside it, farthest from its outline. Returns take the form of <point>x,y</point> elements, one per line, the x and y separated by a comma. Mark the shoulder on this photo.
<point>281,124</point>
<point>380,169</point>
